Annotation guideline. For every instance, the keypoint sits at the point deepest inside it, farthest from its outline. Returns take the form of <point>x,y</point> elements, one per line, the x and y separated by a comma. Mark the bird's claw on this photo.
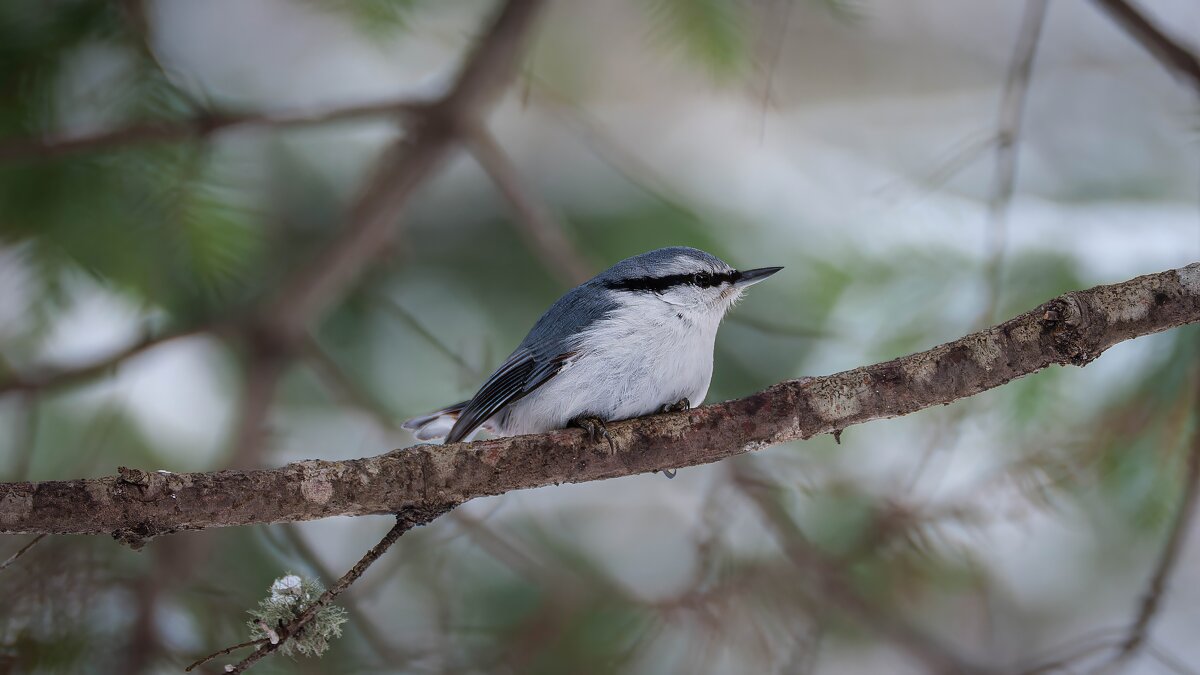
<point>678,406</point>
<point>595,429</point>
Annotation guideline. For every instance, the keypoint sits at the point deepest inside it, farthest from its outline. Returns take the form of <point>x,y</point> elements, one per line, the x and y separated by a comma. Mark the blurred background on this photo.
<point>861,144</point>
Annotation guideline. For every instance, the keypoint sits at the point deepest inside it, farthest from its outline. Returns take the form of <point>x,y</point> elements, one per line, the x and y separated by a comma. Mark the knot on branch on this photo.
<point>143,487</point>
<point>1063,322</point>
<point>146,486</point>
<point>130,476</point>
<point>422,514</point>
<point>138,535</point>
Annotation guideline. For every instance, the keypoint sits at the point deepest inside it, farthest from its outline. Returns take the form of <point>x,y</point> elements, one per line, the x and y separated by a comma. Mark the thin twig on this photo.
<point>21,551</point>
<point>196,128</point>
<point>1129,642</point>
<point>404,523</point>
<point>340,382</point>
<point>413,322</point>
<point>1168,660</point>
<point>828,586</point>
<point>778,37</point>
<point>75,375</point>
<point>407,163</point>
<point>1075,657</point>
<point>261,379</point>
<point>222,652</point>
<point>806,650</point>
<point>1169,557</point>
<point>361,621</point>
<point>957,157</point>
<point>544,233</point>
<point>1174,55</point>
<point>604,144</point>
<point>1012,112</point>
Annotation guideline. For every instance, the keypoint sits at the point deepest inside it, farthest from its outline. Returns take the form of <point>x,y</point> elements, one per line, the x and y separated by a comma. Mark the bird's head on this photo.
<point>682,277</point>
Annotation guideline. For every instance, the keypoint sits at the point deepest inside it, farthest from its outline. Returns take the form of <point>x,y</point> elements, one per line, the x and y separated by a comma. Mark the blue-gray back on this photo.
<point>592,300</point>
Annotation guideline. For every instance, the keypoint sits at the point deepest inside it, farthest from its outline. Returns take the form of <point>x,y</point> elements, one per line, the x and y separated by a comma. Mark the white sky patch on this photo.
<point>176,394</point>
<point>97,323</point>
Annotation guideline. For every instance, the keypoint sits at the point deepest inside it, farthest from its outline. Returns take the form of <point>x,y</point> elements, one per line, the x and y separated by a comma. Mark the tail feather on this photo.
<point>436,425</point>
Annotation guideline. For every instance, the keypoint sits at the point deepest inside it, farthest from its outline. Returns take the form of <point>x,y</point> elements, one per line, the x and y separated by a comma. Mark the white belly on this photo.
<point>626,367</point>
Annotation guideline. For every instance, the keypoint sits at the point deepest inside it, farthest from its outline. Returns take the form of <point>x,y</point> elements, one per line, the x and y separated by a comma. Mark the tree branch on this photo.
<point>281,325</point>
<point>1139,631</point>
<point>1010,119</point>
<point>196,128</point>
<point>486,72</point>
<point>261,377</point>
<point>1071,329</point>
<point>57,378</point>
<point>535,221</point>
<point>1173,55</point>
<point>20,552</point>
<point>404,522</point>
<point>824,580</point>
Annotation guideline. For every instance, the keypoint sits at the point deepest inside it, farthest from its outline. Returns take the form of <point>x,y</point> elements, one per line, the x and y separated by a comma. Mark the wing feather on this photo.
<point>514,379</point>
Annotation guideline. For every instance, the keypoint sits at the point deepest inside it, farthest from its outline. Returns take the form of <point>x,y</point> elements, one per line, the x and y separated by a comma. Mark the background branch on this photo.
<point>1071,329</point>
<point>824,580</point>
<point>57,378</point>
<point>486,72</point>
<point>196,128</point>
<point>536,222</point>
<point>1172,54</point>
<point>20,552</point>
<point>1169,557</point>
<point>404,522</point>
<point>1012,114</point>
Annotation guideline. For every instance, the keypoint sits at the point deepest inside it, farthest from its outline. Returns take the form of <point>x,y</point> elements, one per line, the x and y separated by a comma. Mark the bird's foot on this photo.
<point>678,406</point>
<point>595,429</point>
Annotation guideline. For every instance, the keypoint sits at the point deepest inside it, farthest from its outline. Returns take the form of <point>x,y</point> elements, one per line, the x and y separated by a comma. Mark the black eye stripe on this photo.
<point>663,283</point>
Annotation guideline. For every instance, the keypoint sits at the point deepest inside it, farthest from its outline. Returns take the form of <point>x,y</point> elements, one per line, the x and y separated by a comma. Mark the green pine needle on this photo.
<point>713,32</point>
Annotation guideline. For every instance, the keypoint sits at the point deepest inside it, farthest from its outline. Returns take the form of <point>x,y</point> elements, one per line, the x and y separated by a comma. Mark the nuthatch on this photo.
<point>635,339</point>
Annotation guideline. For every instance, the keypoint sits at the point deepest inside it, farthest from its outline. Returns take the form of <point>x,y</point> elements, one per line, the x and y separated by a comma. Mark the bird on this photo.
<point>634,340</point>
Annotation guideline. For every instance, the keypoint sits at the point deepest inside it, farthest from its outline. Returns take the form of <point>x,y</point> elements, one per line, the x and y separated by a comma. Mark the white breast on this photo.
<point>639,359</point>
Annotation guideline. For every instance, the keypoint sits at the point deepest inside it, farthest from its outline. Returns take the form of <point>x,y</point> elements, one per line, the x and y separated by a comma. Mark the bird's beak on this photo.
<point>751,277</point>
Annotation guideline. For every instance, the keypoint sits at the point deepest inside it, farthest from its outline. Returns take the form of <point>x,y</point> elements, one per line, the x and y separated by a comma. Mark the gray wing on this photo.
<point>514,379</point>
<point>540,356</point>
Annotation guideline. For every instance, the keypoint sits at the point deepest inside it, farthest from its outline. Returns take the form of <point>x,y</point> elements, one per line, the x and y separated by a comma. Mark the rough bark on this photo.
<point>418,482</point>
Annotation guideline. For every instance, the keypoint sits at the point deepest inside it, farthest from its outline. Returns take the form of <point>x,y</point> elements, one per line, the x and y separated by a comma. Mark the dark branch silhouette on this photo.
<point>1171,53</point>
<point>20,552</point>
<point>49,379</point>
<point>197,128</point>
